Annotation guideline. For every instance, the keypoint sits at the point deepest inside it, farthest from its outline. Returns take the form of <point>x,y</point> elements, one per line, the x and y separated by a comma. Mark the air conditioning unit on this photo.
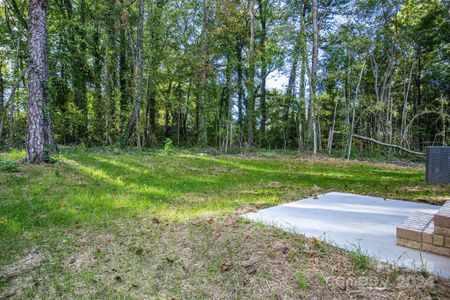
<point>438,165</point>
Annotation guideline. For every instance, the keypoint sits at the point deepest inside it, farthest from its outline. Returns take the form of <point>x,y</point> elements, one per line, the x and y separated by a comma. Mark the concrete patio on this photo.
<point>349,221</point>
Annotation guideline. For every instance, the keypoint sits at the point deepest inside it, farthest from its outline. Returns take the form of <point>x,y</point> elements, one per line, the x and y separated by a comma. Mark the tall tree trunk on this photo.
<point>37,79</point>
<point>251,79</point>
<point>331,134</point>
<point>302,85</point>
<point>98,101</point>
<point>262,14</point>
<point>81,75</point>
<point>133,120</point>
<point>2,101</point>
<point>167,111</point>
<point>111,71</point>
<point>229,98</point>
<point>315,56</point>
<point>240,85</point>
<point>124,65</point>
<point>290,94</point>
<point>406,87</point>
<point>352,126</point>
<point>202,133</point>
<point>188,99</point>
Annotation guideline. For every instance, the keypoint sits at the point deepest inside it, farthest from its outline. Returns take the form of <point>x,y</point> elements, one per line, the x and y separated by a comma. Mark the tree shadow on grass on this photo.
<point>108,187</point>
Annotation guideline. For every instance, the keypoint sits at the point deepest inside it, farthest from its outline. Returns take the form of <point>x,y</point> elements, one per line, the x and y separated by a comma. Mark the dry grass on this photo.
<point>207,257</point>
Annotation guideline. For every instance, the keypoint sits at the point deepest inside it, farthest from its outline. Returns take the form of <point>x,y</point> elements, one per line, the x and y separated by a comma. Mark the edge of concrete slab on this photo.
<point>418,264</point>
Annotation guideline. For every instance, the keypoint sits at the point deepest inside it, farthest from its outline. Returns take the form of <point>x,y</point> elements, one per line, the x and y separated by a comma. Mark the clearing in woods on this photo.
<point>104,224</point>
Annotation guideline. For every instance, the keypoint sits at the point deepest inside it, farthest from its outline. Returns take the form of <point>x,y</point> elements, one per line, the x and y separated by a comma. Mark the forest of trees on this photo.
<point>201,72</point>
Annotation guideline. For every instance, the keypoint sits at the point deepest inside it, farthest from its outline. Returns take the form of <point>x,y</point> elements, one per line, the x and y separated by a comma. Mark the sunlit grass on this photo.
<point>93,188</point>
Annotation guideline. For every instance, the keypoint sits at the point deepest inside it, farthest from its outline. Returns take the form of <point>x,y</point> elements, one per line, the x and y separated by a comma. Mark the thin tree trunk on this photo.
<point>240,86</point>
<point>2,101</point>
<point>37,79</point>
<point>331,136</point>
<point>405,104</point>
<point>350,138</point>
<point>302,92</point>
<point>251,79</point>
<point>290,88</point>
<point>315,56</point>
<point>134,118</point>
<point>124,65</point>
<point>262,8</point>
<point>202,133</point>
<point>167,111</point>
<point>229,134</point>
<point>81,75</point>
<point>98,105</point>
<point>444,118</point>
<point>111,71</point>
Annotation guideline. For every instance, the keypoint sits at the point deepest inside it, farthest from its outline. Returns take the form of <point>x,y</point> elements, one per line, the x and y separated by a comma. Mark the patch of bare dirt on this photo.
<point>16,275</point>
<point>79,261</point>
<point>27,263</point>
<point>15,287</point>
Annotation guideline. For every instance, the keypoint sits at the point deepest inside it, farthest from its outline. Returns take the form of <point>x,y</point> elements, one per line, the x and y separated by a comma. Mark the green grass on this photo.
<point>359,259</point>
<point>95,188</point>
<point>301,280</point>
<point>50,206</point>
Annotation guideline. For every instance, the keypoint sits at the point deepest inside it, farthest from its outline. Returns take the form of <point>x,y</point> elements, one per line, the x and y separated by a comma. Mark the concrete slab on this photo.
<point>349,220</point>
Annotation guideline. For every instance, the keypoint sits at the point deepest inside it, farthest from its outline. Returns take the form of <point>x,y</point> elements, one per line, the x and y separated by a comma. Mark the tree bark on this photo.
<point>98,101</point>
<point>406,87</point>
<point>2,102</point>
<point>315,56</point>
<point>202,133</point>
<point>350,138</point>
<point>251,80</point>
<point>133,120</point>
<point>111,72</point>
<point>302,85</point>
<point>331,135</point>
<point>37,79</point>
<point>262,9</point>
<point>229,98</point>
<point>124,65</point>
<point>240,85</point>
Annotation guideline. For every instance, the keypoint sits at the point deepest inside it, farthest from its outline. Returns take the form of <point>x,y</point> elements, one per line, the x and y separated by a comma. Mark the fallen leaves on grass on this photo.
<point>225,267</point>
<point>281,247</point>
<point>187,261</point>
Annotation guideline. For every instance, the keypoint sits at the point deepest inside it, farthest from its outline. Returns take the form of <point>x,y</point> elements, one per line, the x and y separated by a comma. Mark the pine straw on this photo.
<point>205,258</point>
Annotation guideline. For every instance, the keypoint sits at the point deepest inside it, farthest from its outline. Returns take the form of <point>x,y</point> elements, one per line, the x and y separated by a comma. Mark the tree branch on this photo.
<point>365,138</point>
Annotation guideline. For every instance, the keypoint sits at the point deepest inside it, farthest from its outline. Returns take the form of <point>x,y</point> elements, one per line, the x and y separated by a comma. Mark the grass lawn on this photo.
<point>142,225</point>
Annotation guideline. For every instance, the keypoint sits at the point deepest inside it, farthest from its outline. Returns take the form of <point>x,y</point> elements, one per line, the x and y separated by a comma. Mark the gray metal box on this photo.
<point>438,165</point>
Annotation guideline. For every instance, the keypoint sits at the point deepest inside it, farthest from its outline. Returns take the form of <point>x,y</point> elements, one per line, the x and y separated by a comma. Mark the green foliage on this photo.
<point>91,61</point>
<point>8,165</point>
<point>359,259</point>
<point>302,280</point>
<point>168,148</point>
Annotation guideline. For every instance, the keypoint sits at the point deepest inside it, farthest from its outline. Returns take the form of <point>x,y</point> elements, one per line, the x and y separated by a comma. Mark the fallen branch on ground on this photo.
<point>365,138</point>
